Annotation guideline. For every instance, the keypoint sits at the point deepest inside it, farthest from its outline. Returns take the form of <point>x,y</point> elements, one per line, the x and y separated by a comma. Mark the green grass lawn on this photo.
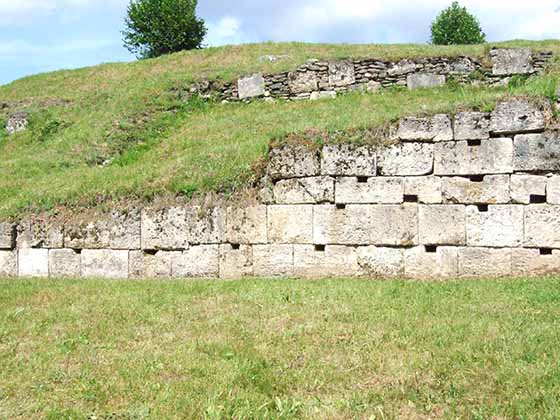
<point>267,349</point>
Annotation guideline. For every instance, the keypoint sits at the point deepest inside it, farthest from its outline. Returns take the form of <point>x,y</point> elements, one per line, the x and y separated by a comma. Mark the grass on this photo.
<point>336,349</point>
<point>122,132</point>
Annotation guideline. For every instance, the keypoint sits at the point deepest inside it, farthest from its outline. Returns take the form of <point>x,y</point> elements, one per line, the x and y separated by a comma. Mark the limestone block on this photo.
<point>525,186</point>
<point>246,225</point>
<point>537,152</point>
<point>436,128</point>
<point>530,263</point>
<point>293,161</point>
<point>500,226</point>
<point>201,261</point>
<point>251,86</point>
<point>312,190</point>
<point>442,225</point>
<point>289,224</point>
<point>394,225</point>
<point>378,262</point>
<point>341,73</point>
<point>462,65</point>
<point>165,229</point>
<point>494,156</point>
<point>484,262</point>
<point>144,265</point>
<point>350,190</point>
<point>104,263</point>
<point>303,82</point>
<point>64,263</point>
<point>472,126</point>
<point>424,80</point>
<point>542,226</point>
<point>236,263</point>
<point>206,225</point>
<point>516,117</point>
<point>373,86</point>
<point>17,122</point>
<point>333,261</point>
<point>7,235</point>
<point>348,160</point>
<point>406,159</point>
<point>33,262</point>
<point>426,188</point>
<point>493,189</point>
<point>273,260</point>
<point>553,190</point>
<point>507,62</point>
<point>317,96</point>
<point>8,263</point>
<point>401,68</point>
<point>37,233</point>
<point>421,264</point>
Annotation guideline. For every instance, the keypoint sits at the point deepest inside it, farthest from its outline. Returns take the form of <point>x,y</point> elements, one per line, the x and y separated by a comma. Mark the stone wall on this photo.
<point>473,195</point>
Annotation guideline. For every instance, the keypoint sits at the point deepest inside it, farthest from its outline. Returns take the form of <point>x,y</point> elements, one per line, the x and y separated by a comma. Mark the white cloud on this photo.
<point>226,31</point>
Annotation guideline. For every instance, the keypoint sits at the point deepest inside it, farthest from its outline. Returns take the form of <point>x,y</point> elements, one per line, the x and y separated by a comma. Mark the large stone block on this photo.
<point>313,190</point>
<point>523,187</point>
<point>8,263</point>
<point>104,263</point>
<point>290,224</point>
<point>273,260</point>
<point>333,261</point>
<point>251,86</point>
<point>146,265</point>
<point>236,262</point>
<point>509,61</point>
<point>531,263</point>
<point>293,161</point>
<point>246,225</point>
<point>426,188</point>
<point>33,262</point>
<point>553,190</point>
<point>348,160</point>
<point>201,261</point>
<point>436,128</point>
<point>484,262</point>
<point>7,235</point>
<point>378,262</point>
<point>341,73</point>
<point>499,226</point>
<point>542,226</point>
<point>303,81</point>
<point>442,225</point>
<point>472,126</point>
<point>350,190</point>
<point>424,80</point>
<point>515,117</point>
<point>492,189</point>
<point>206,225</point>
<point>537,152</point>
<point>494,156</point>
<point>65,263</point>
<point>420,263</point>
<point>406,159</point>
<point>39,233</point>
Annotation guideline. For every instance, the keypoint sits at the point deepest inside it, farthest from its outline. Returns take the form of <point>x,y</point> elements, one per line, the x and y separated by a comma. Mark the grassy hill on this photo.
<point>120,133</point>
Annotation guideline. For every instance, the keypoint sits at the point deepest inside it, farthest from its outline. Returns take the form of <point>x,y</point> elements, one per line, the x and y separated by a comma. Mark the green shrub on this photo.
<point>455,25</point>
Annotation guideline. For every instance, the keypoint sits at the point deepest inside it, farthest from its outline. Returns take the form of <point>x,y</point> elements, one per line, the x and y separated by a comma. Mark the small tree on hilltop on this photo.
<point>455,25</point>
<point>157,27</point>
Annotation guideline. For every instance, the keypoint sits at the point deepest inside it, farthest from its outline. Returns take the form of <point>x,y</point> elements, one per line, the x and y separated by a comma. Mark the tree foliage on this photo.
<point>455,25</point>
<point>157,27</point>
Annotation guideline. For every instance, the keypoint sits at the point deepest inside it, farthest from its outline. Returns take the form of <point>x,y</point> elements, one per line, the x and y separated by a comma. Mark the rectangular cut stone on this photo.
<point>442,225</point>
<point>484,262</point>
<point>500,226</point>
<point>516,116</point>
<point>38,233</point>
<point>273,260</point>
<point>8,263</point>
<point>164,229</point>
<point>525,186</point>
<point>426,188</point>
<point>290,224</point>
<point>314,190</point>
<point>348,160</point>
<point>201,261</point>
<point>143,265</point>
<point>341,73</point>
<point>65,263</point>
<point>542,226</point>
<point>406,159</point>
<point>33,262</point>
<point>424,80</point>
<point>436,128</point>
<point>378,262</point>
<point>251,86</point>
<point>494,156</point>
<point>205,225</point>
<point>553,190</point>
<point>317,96</point>
<point>374,191</point>
<point>537,152</point>
<point>7,235</point>
<point>293,161</point>
<point>472,126</point>
<point>530,263</point>
<point>509,61</point>
<point>104,263</point>
<point>303,81</point>
<point>236,263</point>
<point>334,261</point>
<point>246,225</point>
<point>421,264</point>
<point>493,189</point>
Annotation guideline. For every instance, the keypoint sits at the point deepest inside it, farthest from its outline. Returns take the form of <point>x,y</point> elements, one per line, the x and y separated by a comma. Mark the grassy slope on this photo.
<point>128,114</point>
<point>280,350</point>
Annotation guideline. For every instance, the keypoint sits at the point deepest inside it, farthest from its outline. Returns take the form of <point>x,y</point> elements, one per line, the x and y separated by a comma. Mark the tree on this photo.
<point>455,25</point>
<point>157,27</point>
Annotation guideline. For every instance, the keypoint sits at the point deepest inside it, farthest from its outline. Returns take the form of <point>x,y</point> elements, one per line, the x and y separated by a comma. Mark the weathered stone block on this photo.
<point>17,122</point>
<point>424,80</point>
<point>406,159</point>
<point>542,226</point>
<point>143,265</point>
<point>525,186</point>
<point>201,261</point>
<point>426,188</point>
<point>206,225</point>
<point>484,262</point>
<point>402,67</point>
<point>236,263</point>
<point>313,190</point>
<point>104,263</point>
<point>472,126</point>
<point>373,86</point>
<point>494,156</point>
<point>251,86</point>
<point>341,73</point>
<point>500,226</point>
<point>530,263</point>
<point>537,152</point>
<point>8,263</point>
<point>553,190</point>
<point>350,190</point>
<point>317,96</point>
<point>421,264</point>
<point>507,62</point>
<point>293,161</point>
<point>33,263</point>
<point>273,260</point>
<point>303,82</point>
<point>246,225</point>
<point>436,128</point>
<point>37,233</point>
<point>7,235</point>
<point>348,160</point>
<point>515,117</point>
<point>442,225</point>
<point>376,262</point>
<point>64,263</point>
<point>290,224</point>
<point>165,228</point>
<point>333,261</point>
<point>493,189</point>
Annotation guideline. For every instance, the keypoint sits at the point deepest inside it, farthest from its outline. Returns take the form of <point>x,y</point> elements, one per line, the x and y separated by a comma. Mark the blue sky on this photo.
<point>44,35</point>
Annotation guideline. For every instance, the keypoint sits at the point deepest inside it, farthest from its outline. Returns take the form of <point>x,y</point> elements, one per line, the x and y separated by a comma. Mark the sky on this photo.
<point>44,35</point>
